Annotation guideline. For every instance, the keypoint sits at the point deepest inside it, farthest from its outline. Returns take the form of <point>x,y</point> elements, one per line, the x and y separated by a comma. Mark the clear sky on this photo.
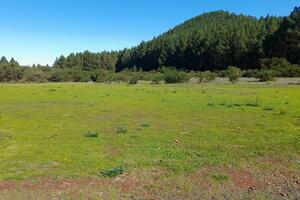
<point>38,31</point>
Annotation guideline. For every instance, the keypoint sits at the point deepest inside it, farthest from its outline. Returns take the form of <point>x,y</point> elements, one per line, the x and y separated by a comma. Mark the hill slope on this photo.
<point>210,41</point>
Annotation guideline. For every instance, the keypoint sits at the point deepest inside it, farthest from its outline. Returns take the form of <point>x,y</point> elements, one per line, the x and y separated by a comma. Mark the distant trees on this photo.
<point>264,48</point>
<point>211,41</point>
<point>10,71</point>
<point>285,42</point>
<point>88,61</point>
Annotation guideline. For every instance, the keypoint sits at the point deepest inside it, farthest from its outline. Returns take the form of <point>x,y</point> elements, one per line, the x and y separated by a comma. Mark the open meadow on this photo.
<point>144,141</point>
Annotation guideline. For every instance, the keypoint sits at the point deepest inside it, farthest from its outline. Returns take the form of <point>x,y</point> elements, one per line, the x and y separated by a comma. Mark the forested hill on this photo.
<point>211,41</point>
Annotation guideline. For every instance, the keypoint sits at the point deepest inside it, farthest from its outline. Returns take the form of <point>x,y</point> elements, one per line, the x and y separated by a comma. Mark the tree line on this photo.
<point>209,42</point>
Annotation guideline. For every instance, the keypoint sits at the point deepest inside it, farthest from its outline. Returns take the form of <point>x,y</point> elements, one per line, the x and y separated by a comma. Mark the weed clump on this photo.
<point>113,172</point>
<point>121,130</point>
<point>91,134</point>
<point>145,125</point>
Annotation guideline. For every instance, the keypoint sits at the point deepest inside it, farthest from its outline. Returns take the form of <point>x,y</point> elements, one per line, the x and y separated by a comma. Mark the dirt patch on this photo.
<point>48,184</point>
<point>243,179</point>
<point>159,184</point>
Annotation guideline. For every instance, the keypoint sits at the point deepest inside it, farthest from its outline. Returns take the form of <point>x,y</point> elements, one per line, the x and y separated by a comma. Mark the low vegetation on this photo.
<point>181,132</point>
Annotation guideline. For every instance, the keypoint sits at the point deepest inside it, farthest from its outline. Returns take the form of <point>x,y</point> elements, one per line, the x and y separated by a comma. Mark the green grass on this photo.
<point>43,127</point>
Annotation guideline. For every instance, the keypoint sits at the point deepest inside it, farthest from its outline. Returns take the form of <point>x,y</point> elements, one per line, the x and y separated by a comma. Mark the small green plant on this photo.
<point>91,134</point>
<point>113,172</point>
<point>211,104</point>
<point>144,125</point>
<point>121,130</point>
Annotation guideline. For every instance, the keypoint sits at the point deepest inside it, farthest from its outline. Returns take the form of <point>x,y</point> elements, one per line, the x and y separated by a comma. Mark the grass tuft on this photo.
<point>122,130</point>
<point>220,177</point>
<point>91,134</point>
<point>144,125</point>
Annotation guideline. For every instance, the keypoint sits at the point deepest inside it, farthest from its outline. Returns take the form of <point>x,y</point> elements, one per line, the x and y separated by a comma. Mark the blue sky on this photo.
<point>38,31</point>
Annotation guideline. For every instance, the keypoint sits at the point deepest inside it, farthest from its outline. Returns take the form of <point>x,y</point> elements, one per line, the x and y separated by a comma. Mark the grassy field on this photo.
<point>164,136</point>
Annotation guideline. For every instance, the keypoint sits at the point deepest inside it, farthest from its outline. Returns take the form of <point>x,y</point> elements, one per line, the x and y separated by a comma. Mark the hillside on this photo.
<point>210,41</point>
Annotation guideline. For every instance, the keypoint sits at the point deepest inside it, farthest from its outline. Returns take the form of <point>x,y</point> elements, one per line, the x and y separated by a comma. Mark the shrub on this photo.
<point>207,76</point>
<point>157,78</point>
<point>10,73</point>
<point>171,75</point>
<point>36,76</point>
<point>133,80</point>
<point>60,75</point>
<point>102,76</point>
<point>233,74</point>
<point>265,75</point>
<point>222,74</point>
<point>80,76</point>
<point>250,73</point>
<point>281,66</point>
<point>120,77</point>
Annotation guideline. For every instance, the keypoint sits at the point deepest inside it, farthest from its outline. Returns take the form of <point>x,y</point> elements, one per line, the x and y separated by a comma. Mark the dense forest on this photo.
<point>212,41</point>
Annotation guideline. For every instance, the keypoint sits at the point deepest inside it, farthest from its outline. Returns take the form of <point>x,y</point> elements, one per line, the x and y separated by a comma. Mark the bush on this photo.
<point>157,78</point>
<point>133,80</point>
<point>80,76</point>
<point>102,76</point>
<point>281,66</point>
<point>222,74</point>
<point>122,77</point>
<point>233,74</point>
<point>171,75</point>
<point>35,76</point>
<point>265,75</point>
<point>207,76</point>
<point>249,73</point>
<point>10,73</point>
<point>60,75</point>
